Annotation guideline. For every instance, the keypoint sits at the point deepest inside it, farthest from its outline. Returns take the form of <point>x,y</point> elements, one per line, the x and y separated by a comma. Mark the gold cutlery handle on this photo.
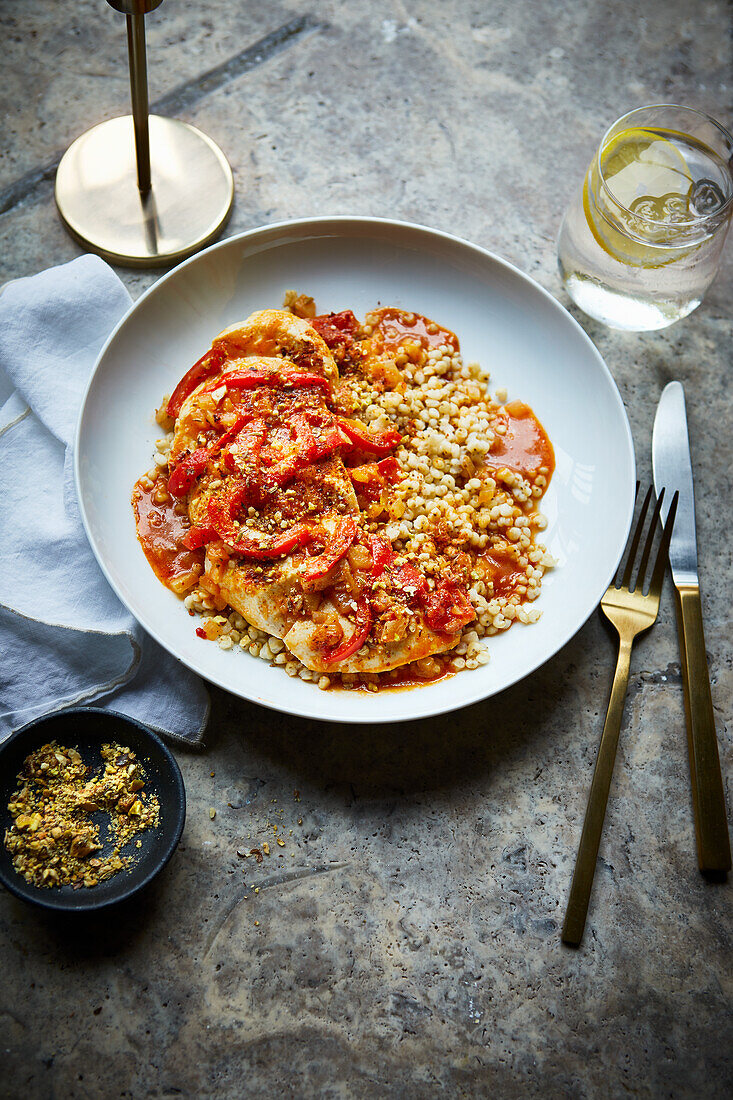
<point>708,800</point>
<point>572,929</point>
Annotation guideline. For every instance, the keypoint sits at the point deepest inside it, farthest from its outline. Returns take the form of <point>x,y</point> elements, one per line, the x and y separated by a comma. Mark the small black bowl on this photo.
<point>87,729</point>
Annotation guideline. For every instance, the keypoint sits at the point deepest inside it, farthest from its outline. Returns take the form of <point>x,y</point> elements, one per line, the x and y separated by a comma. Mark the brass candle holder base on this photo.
<point>99,201</point>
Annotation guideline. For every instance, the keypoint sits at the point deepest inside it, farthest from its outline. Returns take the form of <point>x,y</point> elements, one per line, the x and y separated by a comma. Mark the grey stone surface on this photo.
<point>408,936</point>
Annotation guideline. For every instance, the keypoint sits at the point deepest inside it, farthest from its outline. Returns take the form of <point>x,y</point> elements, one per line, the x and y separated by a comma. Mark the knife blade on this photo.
<point>673,470</point>
<point>671,461</point>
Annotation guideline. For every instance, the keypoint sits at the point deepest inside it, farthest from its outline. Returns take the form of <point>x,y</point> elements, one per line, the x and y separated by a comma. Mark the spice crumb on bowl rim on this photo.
<point>459,502</point>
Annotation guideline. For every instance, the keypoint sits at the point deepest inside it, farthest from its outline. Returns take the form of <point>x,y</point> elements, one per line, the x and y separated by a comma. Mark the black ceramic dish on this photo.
<point>86,729</point>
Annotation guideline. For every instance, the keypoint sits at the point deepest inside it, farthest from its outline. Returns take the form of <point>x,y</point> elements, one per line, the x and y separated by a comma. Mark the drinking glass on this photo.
<point>641,240</point>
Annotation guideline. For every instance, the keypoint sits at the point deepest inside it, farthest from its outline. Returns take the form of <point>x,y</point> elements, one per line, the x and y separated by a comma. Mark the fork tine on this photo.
<point>617,575</point>
<point>655,587</point>
<point>635,540</point>
<point>649,542</point>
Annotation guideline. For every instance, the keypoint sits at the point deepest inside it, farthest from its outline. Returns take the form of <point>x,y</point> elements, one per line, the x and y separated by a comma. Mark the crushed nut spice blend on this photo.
<point>53,839</point>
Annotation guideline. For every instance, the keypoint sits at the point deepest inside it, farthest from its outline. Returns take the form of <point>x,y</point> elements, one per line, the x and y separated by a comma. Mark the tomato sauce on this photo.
<point>502,569</point>
<point>525,447</point>
<point>160,530</point>
<point>405,677</point>
<point>396,326</point>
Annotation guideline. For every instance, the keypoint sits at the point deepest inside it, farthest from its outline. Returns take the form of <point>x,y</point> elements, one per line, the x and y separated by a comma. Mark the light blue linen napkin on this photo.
<point>66,638</point>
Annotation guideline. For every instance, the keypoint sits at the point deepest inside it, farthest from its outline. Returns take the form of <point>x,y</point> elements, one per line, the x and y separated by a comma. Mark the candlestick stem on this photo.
<point>139,96</point>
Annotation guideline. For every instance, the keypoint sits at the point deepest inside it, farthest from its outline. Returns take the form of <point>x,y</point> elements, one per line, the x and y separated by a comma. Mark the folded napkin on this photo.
<point>66,638</point>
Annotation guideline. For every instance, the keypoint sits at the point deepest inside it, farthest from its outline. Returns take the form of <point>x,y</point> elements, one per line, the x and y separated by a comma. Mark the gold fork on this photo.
<point>631,612</point>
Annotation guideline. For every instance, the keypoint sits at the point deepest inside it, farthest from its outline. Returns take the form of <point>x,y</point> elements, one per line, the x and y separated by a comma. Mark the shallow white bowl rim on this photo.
<point>465,687</point>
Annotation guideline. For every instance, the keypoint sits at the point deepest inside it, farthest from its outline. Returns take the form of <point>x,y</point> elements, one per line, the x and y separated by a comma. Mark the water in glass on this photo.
<point>641,240</point>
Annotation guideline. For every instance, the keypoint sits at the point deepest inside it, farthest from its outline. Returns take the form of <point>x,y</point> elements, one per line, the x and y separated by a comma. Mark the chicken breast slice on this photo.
<point>423,642</point>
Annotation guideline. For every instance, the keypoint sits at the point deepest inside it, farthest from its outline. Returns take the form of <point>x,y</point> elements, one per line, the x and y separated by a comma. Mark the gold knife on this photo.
<point>673,468</point>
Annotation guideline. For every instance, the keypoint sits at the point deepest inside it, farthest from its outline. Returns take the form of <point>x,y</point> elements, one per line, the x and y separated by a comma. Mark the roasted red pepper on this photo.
<point>210,363</point>
<point>382,554</point>
<point>330,440</point>
<point>192,466</point>
<point>198,536</point>
<point>371,478</point>
<point>187,470</point>
<point>249,443</point>
<point>336,328</point>
<point>308,448</point>
<point>238,492</point>
<point>250,380</point>
<point>361,633</point>
<point>267,546</point>
<point>337,546</point>
<point>244,540</point>
<point>390,470</point>
<point>378,443</point>
<point>448,608</point>
<point>367,480</point>
<point>412,583</point>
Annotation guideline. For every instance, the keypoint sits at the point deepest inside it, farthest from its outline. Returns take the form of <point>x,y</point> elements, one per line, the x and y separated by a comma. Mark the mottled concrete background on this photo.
<point>408,937</point>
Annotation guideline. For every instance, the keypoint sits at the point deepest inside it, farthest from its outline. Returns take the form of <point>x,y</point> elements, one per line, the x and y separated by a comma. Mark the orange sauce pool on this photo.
<point>502,570</point>
<point>395,326</point>
<point>404,678</point>
<point>160,530</point>
<point>525,447</point>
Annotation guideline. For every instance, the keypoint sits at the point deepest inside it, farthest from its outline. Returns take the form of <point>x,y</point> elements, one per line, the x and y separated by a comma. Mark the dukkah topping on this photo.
<point>53,839</point>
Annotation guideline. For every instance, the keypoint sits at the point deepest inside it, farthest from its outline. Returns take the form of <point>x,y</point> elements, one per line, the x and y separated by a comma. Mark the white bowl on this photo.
<point>502,318</point>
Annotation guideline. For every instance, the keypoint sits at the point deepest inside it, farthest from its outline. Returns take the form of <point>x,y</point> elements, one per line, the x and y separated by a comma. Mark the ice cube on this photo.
<point>706,198</point>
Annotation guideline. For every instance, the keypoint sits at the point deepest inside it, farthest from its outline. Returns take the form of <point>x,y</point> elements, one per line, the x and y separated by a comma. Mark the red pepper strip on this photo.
<point>305,440</point>
<point>379,443</point>
<point>337,546</point>
<point>302,454</point>
<point>390,470</point>
<point>193,465</point>
<point>249,439</point>
<point>282,472</point>
<point>358,638</point>
<point>448,608</point>
<point>311,448</point>
<point>250,380</point>
<point>231,433</point>
<point>198,536</point>
<point>382,554</point>
<point>209,363</point>
<point>371,478</point>
<point>298,535</point>
<point>345,321</point>
<point>331,441</point>
<point>367,480</point>
<point>336,328</point>
<point>187,470</point>
<point>239,540</point>
<point>412,583</point>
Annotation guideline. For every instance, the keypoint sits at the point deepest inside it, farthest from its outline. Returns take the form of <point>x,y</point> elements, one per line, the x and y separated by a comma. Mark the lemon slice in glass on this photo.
<point>639,164</point>
<point>646,174</point>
